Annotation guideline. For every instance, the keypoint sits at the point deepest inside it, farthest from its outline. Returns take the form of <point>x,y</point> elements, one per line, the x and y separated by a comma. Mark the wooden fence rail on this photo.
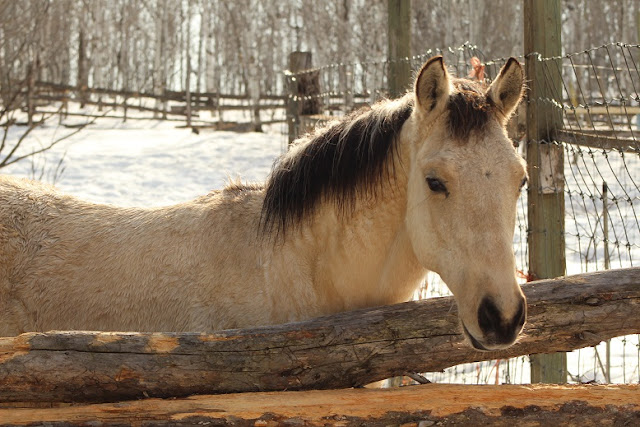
<point>424,405</point>
<point>168,95</point>
<point>339,351</point>
<point>37,98</point>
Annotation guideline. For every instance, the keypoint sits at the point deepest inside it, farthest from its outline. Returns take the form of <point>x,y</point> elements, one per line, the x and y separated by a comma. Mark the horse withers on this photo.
<point>353,216</point>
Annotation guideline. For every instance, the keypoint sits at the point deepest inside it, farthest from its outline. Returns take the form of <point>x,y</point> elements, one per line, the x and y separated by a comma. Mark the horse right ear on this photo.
<point>506,90</point>
<point>432,85</point>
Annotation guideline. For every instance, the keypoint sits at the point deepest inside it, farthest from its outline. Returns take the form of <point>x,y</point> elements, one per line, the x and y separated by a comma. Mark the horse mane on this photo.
<point>351,157</point>
<point>340,162</point>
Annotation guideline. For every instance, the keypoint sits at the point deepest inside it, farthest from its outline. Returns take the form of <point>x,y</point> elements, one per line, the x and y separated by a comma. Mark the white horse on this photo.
<point>352,216</point>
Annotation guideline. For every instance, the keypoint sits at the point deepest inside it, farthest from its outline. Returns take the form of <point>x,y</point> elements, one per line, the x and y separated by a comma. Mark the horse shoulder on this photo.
<point>235,261</point>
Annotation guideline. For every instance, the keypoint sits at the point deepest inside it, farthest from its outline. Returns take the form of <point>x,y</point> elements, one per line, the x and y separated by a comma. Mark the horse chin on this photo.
<point>474,342</point>
<point>480,346</point>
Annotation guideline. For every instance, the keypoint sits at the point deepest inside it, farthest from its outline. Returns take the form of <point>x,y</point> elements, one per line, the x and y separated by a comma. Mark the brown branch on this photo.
<point>339,351</point>
<point>9,160</point>
<point>6,110</point>
<point>30,127</point>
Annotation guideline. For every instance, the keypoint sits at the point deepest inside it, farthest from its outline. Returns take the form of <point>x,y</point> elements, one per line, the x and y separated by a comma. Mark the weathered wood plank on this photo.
<point>339,351</point>
<point>596,140</point>
<point>433,404</point>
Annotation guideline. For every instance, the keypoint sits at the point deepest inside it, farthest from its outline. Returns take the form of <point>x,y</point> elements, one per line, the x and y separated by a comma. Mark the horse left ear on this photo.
<point>506,90</point>
<point>432,85</point>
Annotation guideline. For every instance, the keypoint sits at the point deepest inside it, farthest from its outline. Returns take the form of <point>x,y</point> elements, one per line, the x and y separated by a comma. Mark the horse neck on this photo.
<point>364,258</point>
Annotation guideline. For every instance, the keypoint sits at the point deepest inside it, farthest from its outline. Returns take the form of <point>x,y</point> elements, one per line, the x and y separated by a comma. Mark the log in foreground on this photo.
<point>433,404</point>
<point>339,351</point>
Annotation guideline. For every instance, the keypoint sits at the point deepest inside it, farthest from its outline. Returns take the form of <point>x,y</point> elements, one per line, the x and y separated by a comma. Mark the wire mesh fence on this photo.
<point>344,87</point>
<point>601,111</point>
<point>596,97</point>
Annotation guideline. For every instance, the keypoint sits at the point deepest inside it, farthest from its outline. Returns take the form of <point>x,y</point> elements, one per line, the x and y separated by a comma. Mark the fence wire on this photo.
<point>597,101</point>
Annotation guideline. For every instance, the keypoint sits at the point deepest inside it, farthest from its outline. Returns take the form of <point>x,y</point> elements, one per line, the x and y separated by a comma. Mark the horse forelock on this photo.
<point>469,109</point>
<point>338,163</point>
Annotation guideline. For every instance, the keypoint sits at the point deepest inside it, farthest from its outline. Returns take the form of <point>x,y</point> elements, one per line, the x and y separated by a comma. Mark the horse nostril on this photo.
<point>496,329</point>
<point>489,318</point>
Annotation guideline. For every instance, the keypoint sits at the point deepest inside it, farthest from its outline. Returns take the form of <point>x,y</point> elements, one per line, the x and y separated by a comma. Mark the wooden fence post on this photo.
<point>399,35</point>
<point>398,54</point>
<point>304,90</point>
<point>545,162</point>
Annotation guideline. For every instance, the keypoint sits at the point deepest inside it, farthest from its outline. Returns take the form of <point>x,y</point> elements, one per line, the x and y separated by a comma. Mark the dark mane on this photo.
<point>351,158</point>
<point>337,163</point>
<point>469,109</point>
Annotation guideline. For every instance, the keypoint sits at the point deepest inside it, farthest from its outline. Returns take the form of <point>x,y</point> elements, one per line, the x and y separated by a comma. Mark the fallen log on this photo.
<point>339,351</point>
<point>426,405</point>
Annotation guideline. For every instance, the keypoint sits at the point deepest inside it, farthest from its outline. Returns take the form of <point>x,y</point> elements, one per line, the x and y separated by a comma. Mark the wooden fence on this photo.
<point>45,97</point>
<point>339,351</point>
<point>416,406</point>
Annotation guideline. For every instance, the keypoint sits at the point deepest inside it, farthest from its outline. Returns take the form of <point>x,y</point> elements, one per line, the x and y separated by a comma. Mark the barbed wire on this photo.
<point>412,59</point>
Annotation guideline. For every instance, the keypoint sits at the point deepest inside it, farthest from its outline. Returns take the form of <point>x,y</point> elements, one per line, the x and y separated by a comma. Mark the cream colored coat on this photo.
<point>196,266</point>
<point>204,265</point>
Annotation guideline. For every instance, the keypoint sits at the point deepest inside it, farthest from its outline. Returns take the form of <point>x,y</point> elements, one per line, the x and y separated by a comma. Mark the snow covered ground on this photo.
<point>146,163</point>
<point>152,163</point>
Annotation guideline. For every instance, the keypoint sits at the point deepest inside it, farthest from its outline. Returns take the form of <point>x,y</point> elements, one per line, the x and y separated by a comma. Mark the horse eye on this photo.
<point>436,185</point>
<point>524,182</point>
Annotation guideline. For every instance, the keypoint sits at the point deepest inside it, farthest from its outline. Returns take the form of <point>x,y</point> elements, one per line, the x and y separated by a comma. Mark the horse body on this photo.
<point>352,216</point>
<point>197,266</point>
<point>67,264</point>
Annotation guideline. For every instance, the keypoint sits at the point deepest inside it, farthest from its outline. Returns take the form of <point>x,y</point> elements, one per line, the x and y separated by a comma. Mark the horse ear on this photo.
<point>432,85</point>
<point>506,90</point>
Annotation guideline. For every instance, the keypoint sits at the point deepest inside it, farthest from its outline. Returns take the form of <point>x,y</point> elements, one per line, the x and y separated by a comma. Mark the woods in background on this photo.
<point>241,46</point>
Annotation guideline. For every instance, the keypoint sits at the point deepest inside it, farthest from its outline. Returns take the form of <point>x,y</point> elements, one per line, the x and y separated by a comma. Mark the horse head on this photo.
<point>464,180</point>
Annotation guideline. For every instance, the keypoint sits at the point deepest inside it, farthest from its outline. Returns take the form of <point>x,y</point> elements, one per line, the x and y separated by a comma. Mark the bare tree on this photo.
<point>142,46</point>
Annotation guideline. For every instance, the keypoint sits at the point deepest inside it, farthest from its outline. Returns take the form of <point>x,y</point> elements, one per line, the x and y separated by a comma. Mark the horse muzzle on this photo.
<point>498,332</point>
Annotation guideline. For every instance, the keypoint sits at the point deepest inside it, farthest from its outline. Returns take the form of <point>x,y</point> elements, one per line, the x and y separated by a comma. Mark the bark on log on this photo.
<point>339,351</point>
<point>432,404</point>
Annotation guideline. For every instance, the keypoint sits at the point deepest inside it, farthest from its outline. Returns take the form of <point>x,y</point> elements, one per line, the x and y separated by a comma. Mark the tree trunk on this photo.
<point>201,43</point>
<point>158,86</point>
<point>433,404</point>
<point>187,83</point>
<point>83,69</point>
<point>344,48</point>
<point>32,71</point>
<point>165,62</point>
<point>344,350</point>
